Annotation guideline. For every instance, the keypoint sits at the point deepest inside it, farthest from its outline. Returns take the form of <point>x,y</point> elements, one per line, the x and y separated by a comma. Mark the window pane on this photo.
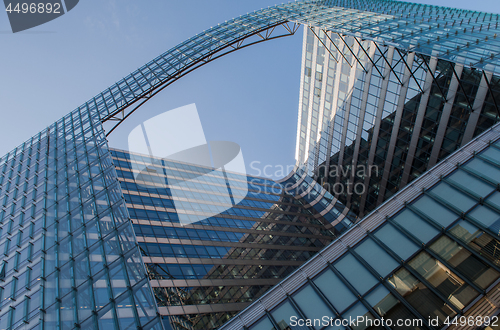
<point>312,305</point>
<point>419,296</point>
<point>337,293</point>
<point>352,270</point>
<point>487,217</point>
<point>359,310</point>
<point>415,225</point>
<point>263,324</point>
<point>485,169</point>
<point>396,241</point>
<point>495,199</point>
<point>453,197</point>
<point>443,279</point>
<point>435,211</point>
<point>388,307</point>
<point>376,257</point>
<point>282,314</point>
<point>492,153</point>
<point>471,183</point>
<point>477,239</point>
<point>464,262</point>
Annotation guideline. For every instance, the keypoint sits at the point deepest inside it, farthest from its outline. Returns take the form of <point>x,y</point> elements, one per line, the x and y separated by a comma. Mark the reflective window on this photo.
<point>443,280</point>
<point>471,183</point>
<point>454,197</point>
<point>332,287</point>
<point>495,199</point>
<point>484,169</point>
<point>435,211</point>
<point>486,216</point>
<point>352,270</point>
<point>263,324</point>
<point>419,296</point>
<point>388,307</point>
<point>415,225</point>
<point>477,239</point>
<point>464,262</point>
<point>312,305</point>
<point>396,241</point>
<point>376,257</point>
<point>282,314</point>
<point>492,153</point>
<point>359,310</point>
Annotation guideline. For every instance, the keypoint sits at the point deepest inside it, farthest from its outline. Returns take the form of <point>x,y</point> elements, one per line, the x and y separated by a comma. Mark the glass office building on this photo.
<point>390,84</point>
<point>427,255</point>
<point>204,267</point>
<point>70,258</point>
<point>374,117</point>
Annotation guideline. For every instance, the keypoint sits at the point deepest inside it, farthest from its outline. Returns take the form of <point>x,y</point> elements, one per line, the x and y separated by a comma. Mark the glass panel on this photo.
<point>464,262</point>
<point>283,315</point>
<point>454,197</point>
<point>420,297</point>
<point>492,153</point>
<point>444,280</point>
<point>435,211</point>
<point>388,307</point>
<point>485,169</point>
<point>471,183</point>
<point>376,257</point>
<point>415,225</point>
<point>477,239</point>
<point>487,217</point>
<point>337,325</point>
<point>495,199</point>
<point>396,241</point>
<point>263,324</point>
<point>312,305</point>
<point>332,287</point>
<point>355,312</point>
<point>352,270</point>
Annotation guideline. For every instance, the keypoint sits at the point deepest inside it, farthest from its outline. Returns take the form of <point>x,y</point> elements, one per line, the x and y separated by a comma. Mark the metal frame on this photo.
<point>265,34</point>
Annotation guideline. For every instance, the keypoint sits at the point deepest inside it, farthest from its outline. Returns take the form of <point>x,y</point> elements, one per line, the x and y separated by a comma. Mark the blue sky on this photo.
<point>249,97</point>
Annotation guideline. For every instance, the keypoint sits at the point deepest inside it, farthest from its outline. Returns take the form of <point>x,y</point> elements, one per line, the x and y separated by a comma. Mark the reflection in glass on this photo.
<point>415,225</point>
<point>282,314</point>
<point>444,280</point>
<point>396,241</point>
<point>374,255</point>
<point>464,262</point>
<point>420,297</point>
<point>263,324</point>
<point>312,305</point>
<point>360,310</point>
<point>388,307</point>
<point>478,240</point>
<point>355,273</point>
<point>336,291</point>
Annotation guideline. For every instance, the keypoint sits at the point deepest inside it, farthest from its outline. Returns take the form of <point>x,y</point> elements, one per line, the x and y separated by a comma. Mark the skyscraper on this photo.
<point>397,86</point>
<point>395,113</point>
<point>206,269</point>
<point>425,259</point>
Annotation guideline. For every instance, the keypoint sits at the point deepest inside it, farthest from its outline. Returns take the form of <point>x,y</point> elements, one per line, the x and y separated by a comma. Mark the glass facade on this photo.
<point>394,85</point>
<point>205,271</point>
<point>426,256</point>
<point>375,117</point>
<point>70,257</point>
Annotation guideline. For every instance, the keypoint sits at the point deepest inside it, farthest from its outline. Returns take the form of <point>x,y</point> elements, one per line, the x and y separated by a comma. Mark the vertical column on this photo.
<point>418,122</point>
<point>378,119</point>
<point>477,107</point>
<point>445,116</point>
<point>395,127</point>
<point>362,110</point>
